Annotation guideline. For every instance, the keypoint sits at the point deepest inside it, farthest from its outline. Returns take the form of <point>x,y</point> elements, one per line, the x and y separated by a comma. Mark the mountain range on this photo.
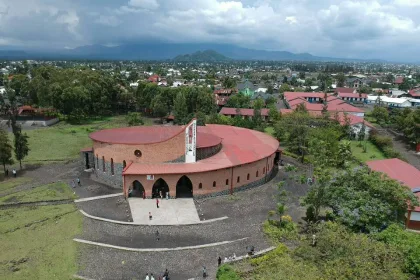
<point>199,56</point>
<point>165,51</point>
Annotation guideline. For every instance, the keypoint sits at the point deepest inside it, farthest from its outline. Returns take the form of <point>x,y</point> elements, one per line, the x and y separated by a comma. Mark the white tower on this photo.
<point>190,141</point>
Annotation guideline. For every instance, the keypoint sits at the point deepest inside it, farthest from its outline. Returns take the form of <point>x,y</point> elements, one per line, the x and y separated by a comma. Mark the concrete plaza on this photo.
<point>178,211</point>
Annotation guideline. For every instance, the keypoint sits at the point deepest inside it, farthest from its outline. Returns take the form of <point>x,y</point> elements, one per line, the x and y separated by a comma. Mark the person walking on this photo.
<point>157,202</point>
<point>166,274</point>
<point>160,194</point>
<point>147,277</point>
<point>78,182</point>
<point>152,277</point>
<point>219,261</point>
<point>150,216</point>
<point>14,172</point>
<point>204,272</point>
<point>157,235</point>
<point>73,184</point>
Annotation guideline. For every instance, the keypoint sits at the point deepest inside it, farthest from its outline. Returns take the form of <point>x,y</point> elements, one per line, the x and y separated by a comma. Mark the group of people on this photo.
<point>165,276</point>
<point>73,182</point>
<point>14,172</point>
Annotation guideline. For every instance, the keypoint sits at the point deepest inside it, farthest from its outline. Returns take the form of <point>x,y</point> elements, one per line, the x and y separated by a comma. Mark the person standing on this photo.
<point>73,184</point>
<point>14,172</point>
<point>147,277</point>
<point>78,182</point>
<point>157,202</point>
<point>150,216</point>
<point>152,277</point>
<point>160,194</point>
<point>204,272</point>
<point>157,235</point>
<point>144,194</point>
<point>219,261</point>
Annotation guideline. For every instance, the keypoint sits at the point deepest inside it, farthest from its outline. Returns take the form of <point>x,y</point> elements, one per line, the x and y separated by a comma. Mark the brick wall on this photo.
<point>212,181</point>
<point>151,153</point>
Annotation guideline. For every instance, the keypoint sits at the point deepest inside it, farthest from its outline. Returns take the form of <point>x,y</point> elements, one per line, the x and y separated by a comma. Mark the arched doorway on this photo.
<point>137,190</point>
<point>160,186</point>
<point>184,187</point>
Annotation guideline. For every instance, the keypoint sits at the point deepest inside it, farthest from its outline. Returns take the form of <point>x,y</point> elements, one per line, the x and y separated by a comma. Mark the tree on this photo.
<point>301,75</point>
<point>180,109</point>
<point>341,79</point>
<point>5,149</point>
<point>159,106</point>
<point>368,201</point>
<point>381,114</point>
<point>21,147</point>
<point>134,76</point>
<point>406,85</point>
<point>258,104</point>
<point>344,153</point>
<point>390,78</point>
<point>134,119</point>
<point>273,114</point>
<point>228,82</point>
<point>317,195</point>
<point>270,89</point>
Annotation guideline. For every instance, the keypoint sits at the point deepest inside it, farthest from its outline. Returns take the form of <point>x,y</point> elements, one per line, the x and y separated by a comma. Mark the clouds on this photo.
<point>388,29</point>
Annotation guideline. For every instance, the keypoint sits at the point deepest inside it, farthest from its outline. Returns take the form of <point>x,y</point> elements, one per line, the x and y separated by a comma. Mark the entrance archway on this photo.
<point>160,186</point>
<point>138,190</point>
<point>184,187</point>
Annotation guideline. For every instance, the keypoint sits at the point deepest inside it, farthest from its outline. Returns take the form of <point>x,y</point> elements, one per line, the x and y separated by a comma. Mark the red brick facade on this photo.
<point>220,177</point>
<point>151,153</point>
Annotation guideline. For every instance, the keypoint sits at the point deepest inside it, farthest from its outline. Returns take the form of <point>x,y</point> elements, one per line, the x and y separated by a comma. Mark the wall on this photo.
<point>151,153</point>
<point>219,177</point>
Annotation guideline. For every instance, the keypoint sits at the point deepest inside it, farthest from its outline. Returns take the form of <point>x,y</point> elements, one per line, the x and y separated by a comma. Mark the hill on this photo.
<point>207,55</point>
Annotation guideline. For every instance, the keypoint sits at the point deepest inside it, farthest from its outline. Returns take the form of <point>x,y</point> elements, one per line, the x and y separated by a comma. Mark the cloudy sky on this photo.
<point>387,29</point>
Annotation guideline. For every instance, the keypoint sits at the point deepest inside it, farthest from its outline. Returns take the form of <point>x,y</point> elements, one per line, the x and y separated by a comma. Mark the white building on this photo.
<point>390,101</point>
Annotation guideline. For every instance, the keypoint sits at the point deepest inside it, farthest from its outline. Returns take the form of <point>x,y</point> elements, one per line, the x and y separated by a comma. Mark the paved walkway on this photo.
<point>98,197</point>
<point>170,212</point>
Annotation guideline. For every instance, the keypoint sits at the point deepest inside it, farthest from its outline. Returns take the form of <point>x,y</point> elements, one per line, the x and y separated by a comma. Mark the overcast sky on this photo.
<point>387,29</point>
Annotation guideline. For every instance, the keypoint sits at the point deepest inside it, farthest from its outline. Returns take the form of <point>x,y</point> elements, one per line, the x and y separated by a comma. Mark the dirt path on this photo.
<point>402,148</point>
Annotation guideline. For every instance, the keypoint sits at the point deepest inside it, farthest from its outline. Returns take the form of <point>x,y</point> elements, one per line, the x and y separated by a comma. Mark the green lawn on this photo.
<point>54,191</point>
<point>372,152</point>
<point>12,183</point>
<point>63,141</point>
<point>37,242</point>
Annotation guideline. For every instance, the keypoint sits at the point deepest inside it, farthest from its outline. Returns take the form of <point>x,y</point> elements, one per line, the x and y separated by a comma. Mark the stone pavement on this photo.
<point>170,212</point>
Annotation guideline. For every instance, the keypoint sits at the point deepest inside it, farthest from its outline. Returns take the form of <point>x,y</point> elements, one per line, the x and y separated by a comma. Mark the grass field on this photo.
<point>63,141</point>
<point>37,243</point>
<point>372,152</point>
<point>54,191</point>
<point>12,183</point>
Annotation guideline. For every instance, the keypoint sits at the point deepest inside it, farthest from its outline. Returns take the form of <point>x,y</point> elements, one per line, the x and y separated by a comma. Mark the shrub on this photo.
<point>226,272</point>
<point>279,232</point>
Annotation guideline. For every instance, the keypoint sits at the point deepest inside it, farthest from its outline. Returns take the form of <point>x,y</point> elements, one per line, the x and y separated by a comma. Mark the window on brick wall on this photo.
<point>238,179</point>
<point>247,176</point>
<point>264,170</point>
<point>214,184</point>
<point>112,166</point>
<point>103,164</point>
<point>227,182</point>
<point>256,175</point>
<point>200,186</point>
<point>124,164</point>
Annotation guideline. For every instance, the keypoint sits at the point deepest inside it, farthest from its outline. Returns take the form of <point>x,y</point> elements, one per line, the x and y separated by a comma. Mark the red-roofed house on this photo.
<point>399,81</point>
<point>350,95</point>
<point>244,113</point>
<point>407,175</point>
<point>154,79</point>
<point>311,97</point>
<point>415,93</point>
<point>223,95</point>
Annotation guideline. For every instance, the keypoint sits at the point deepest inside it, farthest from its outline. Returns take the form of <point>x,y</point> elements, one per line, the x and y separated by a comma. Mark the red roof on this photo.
<point>239,146</point>
<point>344,90</point>
<point>296,101</point>
<point>292,95</point>
<point>344,107</point>
<point>398,170</point>
<point>242,112</point>
<point>352,118</point>
<point>225,91</point>
<point>354,95</point>
<point>154,78</point>
<point>415,92</point>
<point>150,134</point>
<point>399,80</point>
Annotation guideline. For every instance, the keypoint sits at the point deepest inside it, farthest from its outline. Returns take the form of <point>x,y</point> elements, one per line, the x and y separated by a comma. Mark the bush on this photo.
<point>407,242</point>
<point>226,272</point>
<point>279,232</point>
<point>391,153</point>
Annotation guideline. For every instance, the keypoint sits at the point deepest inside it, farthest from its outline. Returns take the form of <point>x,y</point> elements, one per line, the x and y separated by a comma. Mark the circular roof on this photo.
<point>150,134</point>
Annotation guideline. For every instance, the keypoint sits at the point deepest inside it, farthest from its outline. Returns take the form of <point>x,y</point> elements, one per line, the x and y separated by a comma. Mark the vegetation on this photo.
<point>10,184</point>
<point>365,151</point>
<point>226,272</point>
<point>54,191</point>
<point>5,149</point>
<point>37,242</point>
<point>384,143</point>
